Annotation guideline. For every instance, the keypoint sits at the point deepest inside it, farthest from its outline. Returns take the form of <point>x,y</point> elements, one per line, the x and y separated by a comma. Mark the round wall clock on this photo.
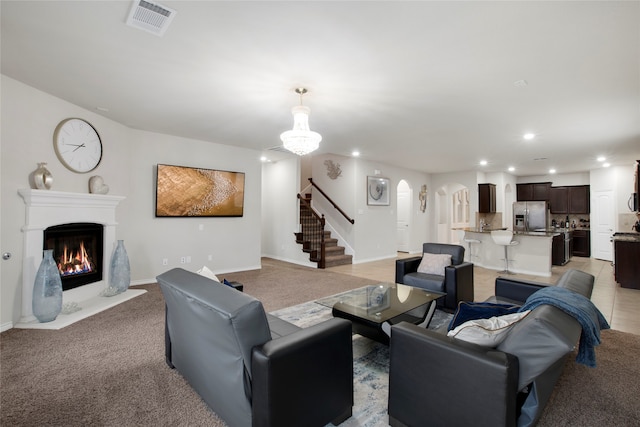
<point>77,145</point>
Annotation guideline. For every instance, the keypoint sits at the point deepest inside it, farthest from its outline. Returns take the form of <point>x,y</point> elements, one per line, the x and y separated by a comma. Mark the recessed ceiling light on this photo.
<point>552,171</point>
<point>511,168</point>
<point>602,158</point>
<point>355,153</point>
<point>606,165</point>
<point>529,136</point>
<point>483,163</point>
<point>263,159</point>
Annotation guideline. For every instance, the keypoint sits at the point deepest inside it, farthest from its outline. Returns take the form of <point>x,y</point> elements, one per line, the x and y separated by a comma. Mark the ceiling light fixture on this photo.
<point>483,163</point>
<point>301,140</point>
<point>511,169</point>
<point>602,159</point>
<point>529,136</point>
<point>355,153</point>
<point>606,165</point>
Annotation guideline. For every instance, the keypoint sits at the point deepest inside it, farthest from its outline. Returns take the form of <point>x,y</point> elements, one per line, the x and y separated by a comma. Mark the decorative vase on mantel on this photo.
<point>47,290</point>
<point>119,270</point>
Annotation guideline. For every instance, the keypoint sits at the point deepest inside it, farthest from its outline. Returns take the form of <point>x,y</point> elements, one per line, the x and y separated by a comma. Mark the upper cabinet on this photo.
<point>487,198</point>
<point>559,200</point>
<point>570,200</point>
<point>533,191</point>
<point>579,199</point>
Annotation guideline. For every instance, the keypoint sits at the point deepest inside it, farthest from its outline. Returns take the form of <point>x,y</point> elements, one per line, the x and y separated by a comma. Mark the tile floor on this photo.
<point>620,306</point>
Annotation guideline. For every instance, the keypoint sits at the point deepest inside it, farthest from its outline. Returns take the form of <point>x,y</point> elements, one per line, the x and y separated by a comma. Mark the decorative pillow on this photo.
<point>487,332</point>
<point>204,271</point>
<point>226,282</point>
<point>434,263</point>
<point>469,310</point>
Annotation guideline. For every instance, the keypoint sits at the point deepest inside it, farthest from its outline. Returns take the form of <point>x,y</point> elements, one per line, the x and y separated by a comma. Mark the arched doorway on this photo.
<point>403,216</point>
<point>452,211</point>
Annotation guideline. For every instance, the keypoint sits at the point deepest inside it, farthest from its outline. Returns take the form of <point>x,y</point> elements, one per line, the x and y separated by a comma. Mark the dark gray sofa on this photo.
<point>250,367</point>
<point>457,281</point>
<point>437,380</point>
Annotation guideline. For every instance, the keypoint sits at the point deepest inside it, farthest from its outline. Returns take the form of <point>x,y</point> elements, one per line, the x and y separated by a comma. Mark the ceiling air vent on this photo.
<point>151,17</point>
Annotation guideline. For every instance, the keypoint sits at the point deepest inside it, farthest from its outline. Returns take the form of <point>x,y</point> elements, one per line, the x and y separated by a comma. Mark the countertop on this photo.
<point>626,237</point>
<point>548,233</point>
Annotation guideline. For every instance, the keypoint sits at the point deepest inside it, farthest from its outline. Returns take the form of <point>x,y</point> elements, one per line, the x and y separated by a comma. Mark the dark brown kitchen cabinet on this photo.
<point>627,267</point>
<point>572,199</point>
<point>579,199</point>
<point>582,243</point>
<point>557,250</point>
<point>487,198</point>
<point>533,191</point>
<point>559,200</point>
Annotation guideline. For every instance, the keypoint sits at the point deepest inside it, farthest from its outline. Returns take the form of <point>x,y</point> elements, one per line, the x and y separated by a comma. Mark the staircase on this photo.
<point>313,237</point>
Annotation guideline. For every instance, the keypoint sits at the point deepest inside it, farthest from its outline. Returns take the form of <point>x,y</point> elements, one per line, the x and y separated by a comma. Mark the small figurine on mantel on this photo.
<point>97,185</point>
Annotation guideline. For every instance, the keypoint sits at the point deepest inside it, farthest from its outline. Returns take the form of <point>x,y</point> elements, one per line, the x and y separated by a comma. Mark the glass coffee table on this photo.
<point>373,309</point>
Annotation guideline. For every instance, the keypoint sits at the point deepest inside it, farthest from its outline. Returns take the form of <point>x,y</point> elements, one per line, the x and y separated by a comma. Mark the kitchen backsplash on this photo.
<point>580,221</point>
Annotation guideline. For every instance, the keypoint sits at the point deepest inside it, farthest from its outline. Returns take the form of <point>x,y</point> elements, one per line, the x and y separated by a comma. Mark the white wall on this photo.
<point>373,236</point>
<point>29,118</point>
<point>280,214</point>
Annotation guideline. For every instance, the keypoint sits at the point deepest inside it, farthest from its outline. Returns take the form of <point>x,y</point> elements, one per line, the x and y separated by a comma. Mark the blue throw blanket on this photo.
<point>580,307</point>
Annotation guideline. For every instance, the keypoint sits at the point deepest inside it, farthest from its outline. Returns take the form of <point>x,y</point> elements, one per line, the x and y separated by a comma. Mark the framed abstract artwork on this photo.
<point>377,191</point>
<point>195,192</point>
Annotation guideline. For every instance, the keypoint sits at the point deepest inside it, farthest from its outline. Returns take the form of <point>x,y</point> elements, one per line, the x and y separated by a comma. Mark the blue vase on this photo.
<point>119,270</point>
<point>47,290</point>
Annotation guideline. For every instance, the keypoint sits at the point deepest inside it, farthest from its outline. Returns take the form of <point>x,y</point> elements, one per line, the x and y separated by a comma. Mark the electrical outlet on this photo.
<point>165,261</point>
<point>183,260</point>
<point>189,260</point>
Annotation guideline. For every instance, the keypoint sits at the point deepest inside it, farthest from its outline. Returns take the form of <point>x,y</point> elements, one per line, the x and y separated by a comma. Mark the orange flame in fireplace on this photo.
<point>75,262</point>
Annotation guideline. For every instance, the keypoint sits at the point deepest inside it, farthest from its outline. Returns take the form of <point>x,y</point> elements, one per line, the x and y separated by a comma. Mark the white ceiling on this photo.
<point>423,85</point>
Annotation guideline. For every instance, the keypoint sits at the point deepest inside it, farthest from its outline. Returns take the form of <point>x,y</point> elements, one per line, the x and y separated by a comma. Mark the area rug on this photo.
<point>370,362</point>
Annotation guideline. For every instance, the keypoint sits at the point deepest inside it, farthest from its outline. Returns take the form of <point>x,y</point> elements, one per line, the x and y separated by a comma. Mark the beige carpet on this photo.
<point>109,369</point>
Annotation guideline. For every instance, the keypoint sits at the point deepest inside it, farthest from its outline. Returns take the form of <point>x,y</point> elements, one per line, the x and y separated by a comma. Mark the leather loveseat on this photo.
<point>438,380</point>
<point>250,367</point>
<point>456,280</point>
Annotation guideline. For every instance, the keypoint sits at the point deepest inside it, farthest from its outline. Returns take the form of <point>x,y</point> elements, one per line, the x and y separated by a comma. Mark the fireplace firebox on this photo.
<point>78,252</point>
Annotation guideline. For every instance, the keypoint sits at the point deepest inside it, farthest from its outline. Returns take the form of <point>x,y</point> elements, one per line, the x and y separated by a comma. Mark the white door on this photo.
<point>602,225</point>
<point>404,216</point>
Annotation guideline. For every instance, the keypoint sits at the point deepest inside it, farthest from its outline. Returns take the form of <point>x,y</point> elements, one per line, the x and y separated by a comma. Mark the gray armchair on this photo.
<point>250,367</point>
<point>457,281</point>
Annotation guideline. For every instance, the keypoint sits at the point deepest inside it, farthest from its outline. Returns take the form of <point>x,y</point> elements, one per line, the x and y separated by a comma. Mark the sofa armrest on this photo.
<point>305,377</point>
<point>443,381</point>
<point>406,266</point>
<point>458,284</point>
<point>516,290</point>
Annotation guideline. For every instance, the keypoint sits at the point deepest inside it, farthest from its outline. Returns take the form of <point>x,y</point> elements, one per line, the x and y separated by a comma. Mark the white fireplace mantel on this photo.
<point>46,208</point>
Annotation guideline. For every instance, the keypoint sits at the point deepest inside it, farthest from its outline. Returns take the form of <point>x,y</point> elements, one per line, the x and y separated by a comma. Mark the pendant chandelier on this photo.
<point>301,140</point>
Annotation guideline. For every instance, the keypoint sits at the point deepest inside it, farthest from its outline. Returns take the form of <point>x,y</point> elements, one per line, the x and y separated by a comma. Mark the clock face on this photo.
<point>77,145</point>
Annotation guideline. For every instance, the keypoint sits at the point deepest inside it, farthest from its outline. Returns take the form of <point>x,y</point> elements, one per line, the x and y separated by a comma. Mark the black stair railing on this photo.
<point>313,224</point>
<point>312,235</point>
<point>351,220</point>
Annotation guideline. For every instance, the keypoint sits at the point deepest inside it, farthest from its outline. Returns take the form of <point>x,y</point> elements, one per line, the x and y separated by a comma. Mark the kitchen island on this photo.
<point>532,254</point>
<point>626,248</point>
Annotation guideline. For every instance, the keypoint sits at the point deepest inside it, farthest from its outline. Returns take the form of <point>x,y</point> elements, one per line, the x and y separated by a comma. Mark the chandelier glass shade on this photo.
<point>301,140</point>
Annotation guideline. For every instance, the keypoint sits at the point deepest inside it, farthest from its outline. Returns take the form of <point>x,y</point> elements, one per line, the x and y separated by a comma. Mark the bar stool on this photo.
<point>504,238</point>
<point>470,242</point>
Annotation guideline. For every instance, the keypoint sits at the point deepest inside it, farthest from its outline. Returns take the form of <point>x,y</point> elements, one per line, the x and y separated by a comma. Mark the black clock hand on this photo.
<point>79,146</point>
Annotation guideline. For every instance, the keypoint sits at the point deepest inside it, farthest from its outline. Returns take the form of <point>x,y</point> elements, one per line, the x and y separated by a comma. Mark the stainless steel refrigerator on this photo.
<point>530,216</point>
